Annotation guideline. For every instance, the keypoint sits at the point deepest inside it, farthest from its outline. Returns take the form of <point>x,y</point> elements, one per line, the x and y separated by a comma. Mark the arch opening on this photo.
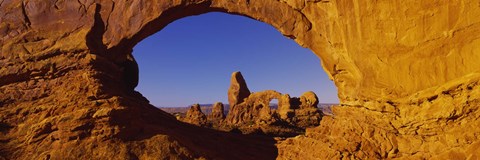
<point>195,56</point>
<point>198,51</point>
<point>273,104</point>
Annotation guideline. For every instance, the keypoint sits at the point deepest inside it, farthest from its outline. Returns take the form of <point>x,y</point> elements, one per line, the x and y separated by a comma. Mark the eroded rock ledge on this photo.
<point>407,75</point>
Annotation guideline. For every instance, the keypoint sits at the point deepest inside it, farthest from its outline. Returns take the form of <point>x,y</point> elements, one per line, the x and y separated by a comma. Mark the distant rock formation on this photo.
<point>217,114</point>
<point>195,116</point>
<point>238,90</point>
<point>249,110</point>
<point>255,115</point>
<point>252,113</point>
<point>308,100</point>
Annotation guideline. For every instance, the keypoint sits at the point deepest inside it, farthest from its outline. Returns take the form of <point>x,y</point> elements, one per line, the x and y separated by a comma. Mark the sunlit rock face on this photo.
<point>407,73</point>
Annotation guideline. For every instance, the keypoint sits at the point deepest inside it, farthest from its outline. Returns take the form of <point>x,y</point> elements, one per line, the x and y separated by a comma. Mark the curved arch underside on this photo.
<point>407,71</point>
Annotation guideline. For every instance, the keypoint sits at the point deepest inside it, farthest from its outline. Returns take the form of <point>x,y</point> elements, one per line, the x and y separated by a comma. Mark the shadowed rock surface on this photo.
<point>407,74</point>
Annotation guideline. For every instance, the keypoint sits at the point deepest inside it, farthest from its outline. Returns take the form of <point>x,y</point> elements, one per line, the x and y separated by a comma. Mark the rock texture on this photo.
<point>407,77</point>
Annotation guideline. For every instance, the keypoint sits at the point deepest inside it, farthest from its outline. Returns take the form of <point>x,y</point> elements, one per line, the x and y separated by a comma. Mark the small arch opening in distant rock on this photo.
<point>274,104</point>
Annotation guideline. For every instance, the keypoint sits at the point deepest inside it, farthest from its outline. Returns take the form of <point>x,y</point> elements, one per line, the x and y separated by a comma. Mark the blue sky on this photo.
<point>191,60</point>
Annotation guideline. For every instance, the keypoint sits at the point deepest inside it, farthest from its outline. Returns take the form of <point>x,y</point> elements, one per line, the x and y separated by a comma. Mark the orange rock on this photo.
<point>407,75</point>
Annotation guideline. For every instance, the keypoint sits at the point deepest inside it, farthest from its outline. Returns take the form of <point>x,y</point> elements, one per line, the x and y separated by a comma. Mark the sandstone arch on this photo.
<point>410,68</point>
